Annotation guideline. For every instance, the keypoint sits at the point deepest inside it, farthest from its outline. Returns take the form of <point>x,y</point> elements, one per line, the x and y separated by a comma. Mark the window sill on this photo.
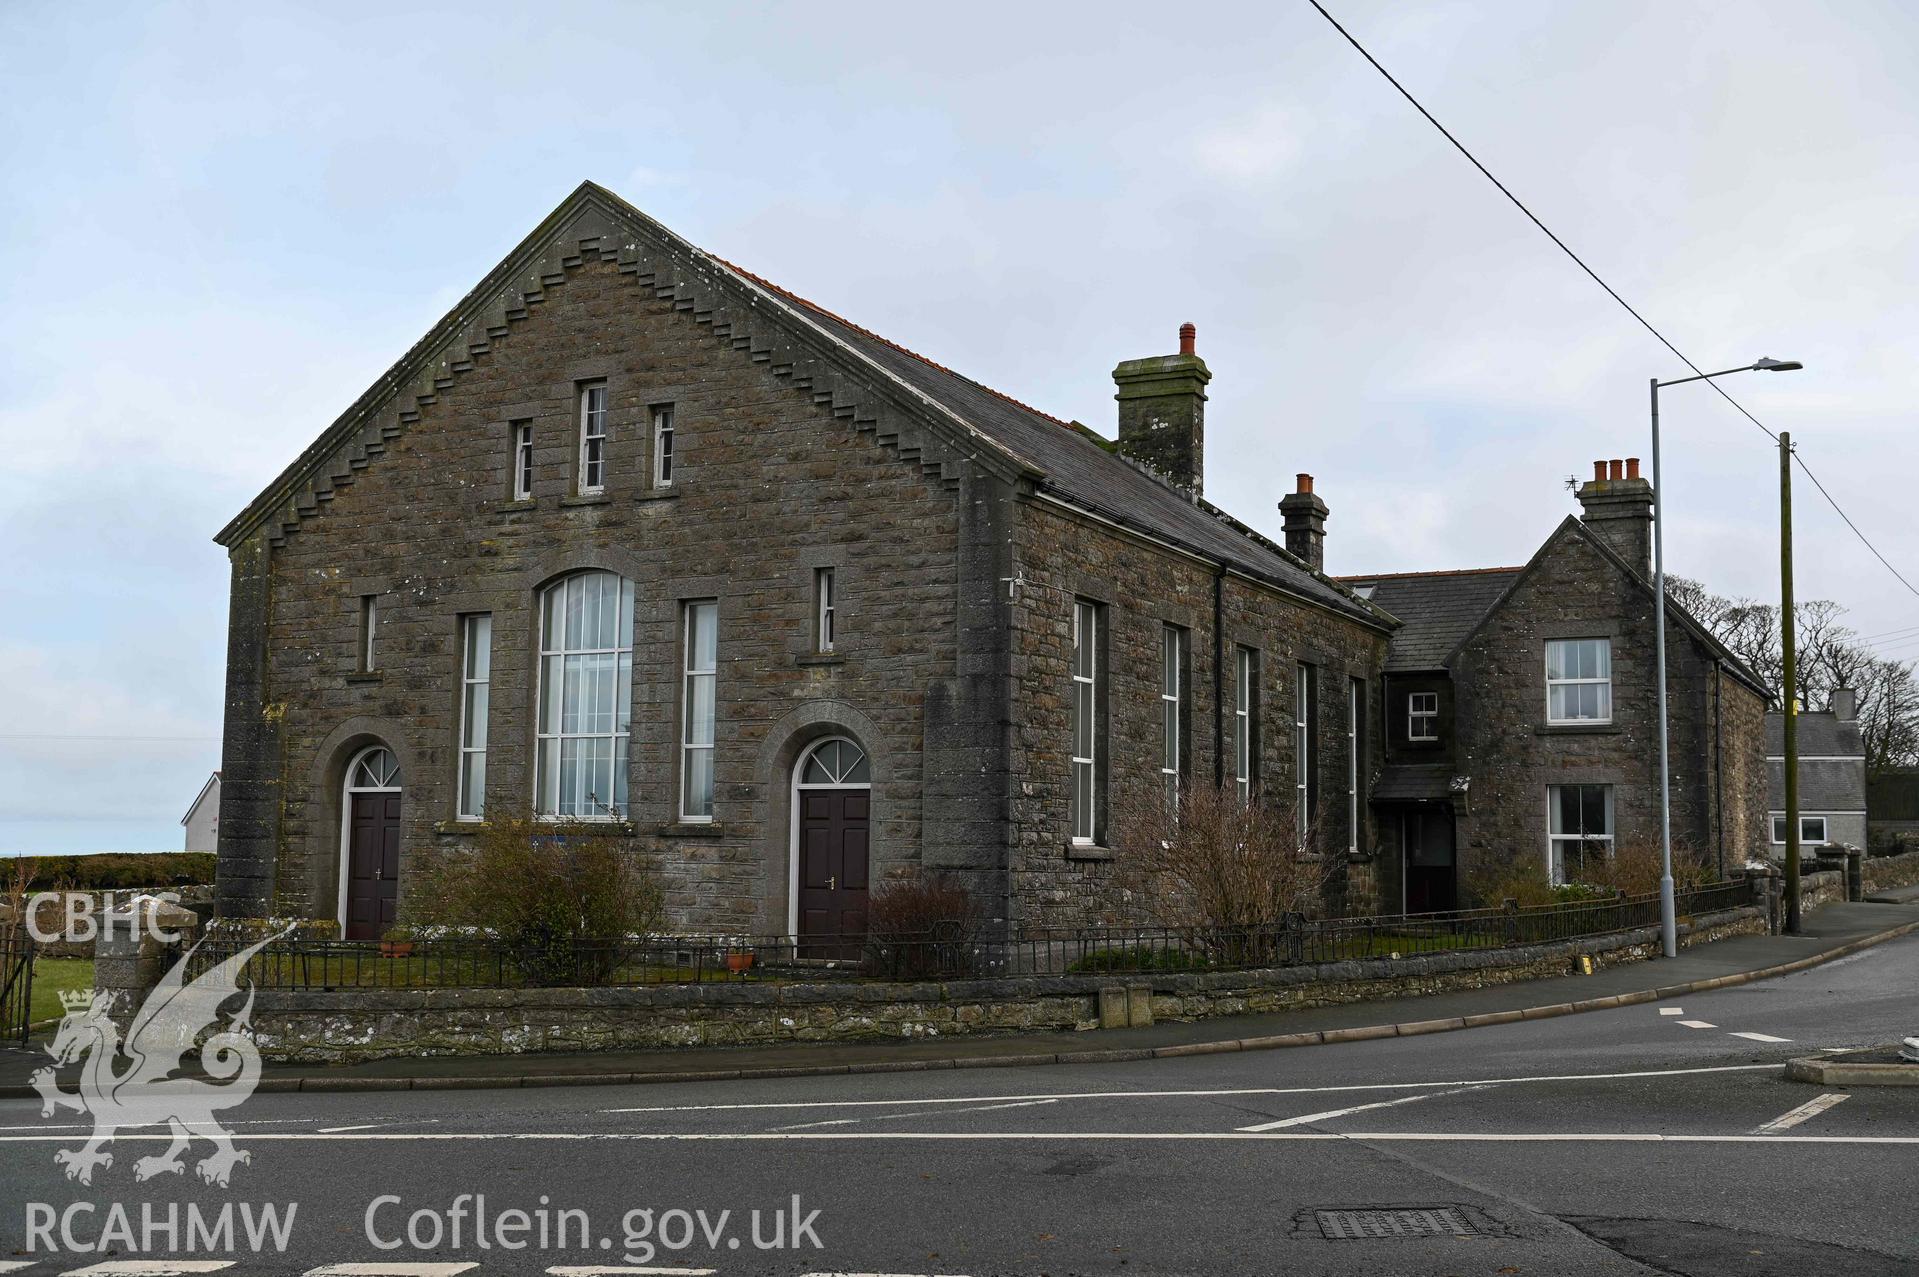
<point>1579,729</point>
<point>820,658</point>
<point>1088,851</point>
<point>514,506</point>
<point>366,676</point>
<point>692,829</point>
<point>459,828</point>
<point>658,494</point>
<point>587,498</point>
<point>548,824</point>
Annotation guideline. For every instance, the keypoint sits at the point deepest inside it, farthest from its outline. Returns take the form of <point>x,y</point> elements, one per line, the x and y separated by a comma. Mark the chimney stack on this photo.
<point>1618,509</point>
<point>1845,704</point>
<point>1162,413</point>
<point>1305,516</point>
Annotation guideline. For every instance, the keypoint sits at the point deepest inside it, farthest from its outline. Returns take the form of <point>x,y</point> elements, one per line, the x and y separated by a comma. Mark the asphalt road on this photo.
<point>1649,1138</point>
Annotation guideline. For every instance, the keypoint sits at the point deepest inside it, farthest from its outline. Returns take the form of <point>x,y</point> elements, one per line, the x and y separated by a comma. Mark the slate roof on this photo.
<point>1412,782</point>
<point>1820,734</point>
<point>1082,471</point>
<point>1823,786</point>
<point>1438,609</point>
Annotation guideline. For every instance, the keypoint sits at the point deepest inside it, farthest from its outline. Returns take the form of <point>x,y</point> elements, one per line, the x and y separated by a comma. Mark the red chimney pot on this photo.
<point>1632,467</point>
<point>1187,332</point>
<point>1618,468</point>
<point>1599,472</point>
<point>1305,483</point>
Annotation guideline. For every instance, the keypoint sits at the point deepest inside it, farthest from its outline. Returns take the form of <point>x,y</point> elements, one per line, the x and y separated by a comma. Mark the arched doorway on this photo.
<point>370,844</point>
<point>832,808</point>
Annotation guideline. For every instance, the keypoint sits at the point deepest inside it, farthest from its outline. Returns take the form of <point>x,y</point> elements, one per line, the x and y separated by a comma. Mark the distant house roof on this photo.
<point>212,785</point>
<point>1821,735</point>
<point>1436,609</point>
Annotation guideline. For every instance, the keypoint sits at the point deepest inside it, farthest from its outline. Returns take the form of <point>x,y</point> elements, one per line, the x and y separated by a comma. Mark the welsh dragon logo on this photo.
<point>145,1092</point>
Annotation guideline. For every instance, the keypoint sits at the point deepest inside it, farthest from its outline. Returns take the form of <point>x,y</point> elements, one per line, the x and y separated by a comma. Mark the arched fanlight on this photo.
<point>377,768</point>
<point>836,762</point>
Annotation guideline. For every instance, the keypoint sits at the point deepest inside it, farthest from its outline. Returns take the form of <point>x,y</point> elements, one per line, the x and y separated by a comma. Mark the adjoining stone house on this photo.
<point>1832,775</point>
<point>635,537</point>
<point>1520,713</point>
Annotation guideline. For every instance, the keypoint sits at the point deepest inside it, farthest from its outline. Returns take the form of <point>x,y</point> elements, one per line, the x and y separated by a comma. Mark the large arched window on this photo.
<point>586,697</point>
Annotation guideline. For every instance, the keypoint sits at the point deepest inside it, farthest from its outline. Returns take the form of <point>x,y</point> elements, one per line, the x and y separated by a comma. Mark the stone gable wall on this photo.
<point>1512,755</point>
<point>769,485</point>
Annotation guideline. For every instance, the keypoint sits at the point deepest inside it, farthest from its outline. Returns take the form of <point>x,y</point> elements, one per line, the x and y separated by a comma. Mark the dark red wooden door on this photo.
<point>833,865</point>
<point>373,865</point>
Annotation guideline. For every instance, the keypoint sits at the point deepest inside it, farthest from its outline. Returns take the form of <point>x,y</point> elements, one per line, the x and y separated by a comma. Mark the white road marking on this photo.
<point>151,1267</point>
<point>1761,1037</point>
<point>15,1265</point>
<point>383,1269</point>
<point>881,1117</point>
<point>879,1275</point>
<point>1698,1024</point>
<point>1164,1095</point>
<point>1810,1109</point>
<point>564,1271</point>
<point>748,1137</point>
<point>1309,1119</point>
<point>1671,1011</point>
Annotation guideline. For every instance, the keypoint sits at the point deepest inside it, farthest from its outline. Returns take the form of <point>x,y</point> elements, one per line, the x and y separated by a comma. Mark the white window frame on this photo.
<point>663,441</point>
<point>1554,858</point>
<point>369,632</point>
<point>476,677</point>
<point>1305,756</point>
<point>1172,706</point>
<point>592,464</point>
<point>1422,716</point>
<point>550,734</point>
<point>522,461</point>
<point>695,674</point>
<point>1355,702</point>
<point>1805,839</point>
<point>1554,683</point>
<point>1245,720</point>
<point>825,610</point>
<point>1086,672</point>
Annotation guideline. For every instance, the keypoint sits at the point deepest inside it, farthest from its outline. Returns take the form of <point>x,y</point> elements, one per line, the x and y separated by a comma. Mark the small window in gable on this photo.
<point>522,460</point>
<point>592,468</point>
<point>1422,716</point>
<point>663,445</point>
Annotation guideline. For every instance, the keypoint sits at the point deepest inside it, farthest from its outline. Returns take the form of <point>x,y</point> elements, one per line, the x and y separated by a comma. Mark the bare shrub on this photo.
<point>1231,872</point>
<point>1634,868</point>
<point>568,903</point>
<point>919,927</point>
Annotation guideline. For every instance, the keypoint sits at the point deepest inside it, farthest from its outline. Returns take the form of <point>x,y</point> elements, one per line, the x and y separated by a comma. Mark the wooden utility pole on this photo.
<point>1789,683</point>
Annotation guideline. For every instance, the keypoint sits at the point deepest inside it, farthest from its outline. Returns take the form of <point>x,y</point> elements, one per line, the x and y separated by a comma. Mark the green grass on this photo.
<point>51,978</point>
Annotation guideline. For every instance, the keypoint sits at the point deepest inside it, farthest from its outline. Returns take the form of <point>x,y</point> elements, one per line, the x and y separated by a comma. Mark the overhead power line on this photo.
<point>1609,289</point>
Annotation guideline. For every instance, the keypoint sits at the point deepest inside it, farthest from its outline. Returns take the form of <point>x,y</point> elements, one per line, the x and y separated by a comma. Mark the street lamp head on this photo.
<point>1777,365</point>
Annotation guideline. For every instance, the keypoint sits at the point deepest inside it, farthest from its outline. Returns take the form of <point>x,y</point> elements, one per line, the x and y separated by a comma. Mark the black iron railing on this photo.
<point>953,952</point>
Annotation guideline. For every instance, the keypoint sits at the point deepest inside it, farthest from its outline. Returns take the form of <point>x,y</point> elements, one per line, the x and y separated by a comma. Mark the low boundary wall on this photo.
<point>369,1024</point>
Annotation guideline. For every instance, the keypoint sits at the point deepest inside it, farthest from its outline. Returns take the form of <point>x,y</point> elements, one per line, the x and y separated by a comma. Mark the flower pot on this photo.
<point>738,961</point>
<point>396,948</point>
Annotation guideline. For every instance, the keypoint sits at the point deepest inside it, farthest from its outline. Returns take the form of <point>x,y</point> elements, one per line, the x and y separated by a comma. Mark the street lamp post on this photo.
<point>1668,922</point>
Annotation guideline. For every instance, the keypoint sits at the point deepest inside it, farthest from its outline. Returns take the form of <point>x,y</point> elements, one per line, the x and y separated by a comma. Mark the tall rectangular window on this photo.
<point>585,698</point>
<point>1172,707</point>
<point>476,675</point>
<point>663,445</point>
<point>1422,716</point>
<point>698,711</point>
<point>592,439</point>
<point>1579,681</point>
<point>1245,721</point>
<point>1088,728</point>
<point>1580,824</point>
<point>522,460</point>
<point>1355,758</point>
<point>1305,751</point>
<point>825,610</point>
<point>369,632</point>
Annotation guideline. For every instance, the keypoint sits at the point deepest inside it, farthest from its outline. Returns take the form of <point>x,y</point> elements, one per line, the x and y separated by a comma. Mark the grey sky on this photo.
<point>219,223</point>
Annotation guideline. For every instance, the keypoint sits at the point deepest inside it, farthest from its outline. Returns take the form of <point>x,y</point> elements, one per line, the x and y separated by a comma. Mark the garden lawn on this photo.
<point>51,978</point>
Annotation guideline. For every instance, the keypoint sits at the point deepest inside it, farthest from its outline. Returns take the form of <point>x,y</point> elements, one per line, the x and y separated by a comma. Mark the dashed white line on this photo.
<point>1671,1011</point>
<point>1761,1037</point>
<point>1810,1109</point>
<point>150,1268</point>
<point>1699,1024</point>
<point>379,1269</point>
<point>1309,1119</point>
<point>881,1117</point>
<point>589,1271</point>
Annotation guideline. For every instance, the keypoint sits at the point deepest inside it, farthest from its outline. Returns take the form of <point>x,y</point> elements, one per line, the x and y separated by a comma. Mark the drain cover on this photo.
<point>1394,1221</point>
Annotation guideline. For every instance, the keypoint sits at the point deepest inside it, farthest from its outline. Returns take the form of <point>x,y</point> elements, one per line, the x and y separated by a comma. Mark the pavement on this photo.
<point>1647,1138</point>
<point>1828,933</point>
